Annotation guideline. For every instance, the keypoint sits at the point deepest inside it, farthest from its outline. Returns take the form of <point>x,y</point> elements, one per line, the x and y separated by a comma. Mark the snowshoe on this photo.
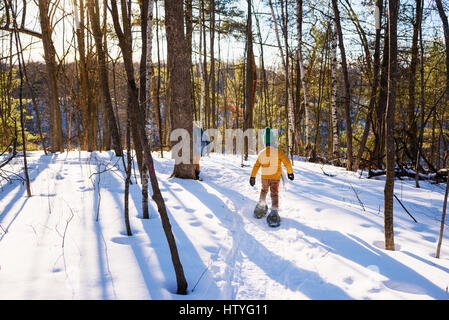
<point>260,211</point>
<point>273,219</point>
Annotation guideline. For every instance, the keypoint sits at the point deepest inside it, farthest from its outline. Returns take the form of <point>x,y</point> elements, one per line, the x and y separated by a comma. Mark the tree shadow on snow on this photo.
<point>284,272</point>
<point>190,258</point>
<point>359,251</point>
<point>34,170</point>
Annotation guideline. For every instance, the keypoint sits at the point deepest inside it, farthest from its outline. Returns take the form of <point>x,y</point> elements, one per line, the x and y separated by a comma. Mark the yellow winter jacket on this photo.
<point>270,159</point>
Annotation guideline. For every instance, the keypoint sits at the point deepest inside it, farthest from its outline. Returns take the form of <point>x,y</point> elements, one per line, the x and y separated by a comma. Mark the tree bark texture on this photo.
<point>94,15</point>
<point>393,9</point>
<point>180,84</point>
<point>56,138</point>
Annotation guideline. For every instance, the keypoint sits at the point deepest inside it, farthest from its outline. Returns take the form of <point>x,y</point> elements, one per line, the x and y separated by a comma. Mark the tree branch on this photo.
<point>22,30</point>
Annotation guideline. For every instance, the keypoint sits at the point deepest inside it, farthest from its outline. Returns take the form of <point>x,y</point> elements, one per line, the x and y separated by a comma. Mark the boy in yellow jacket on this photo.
<point>271,160</point>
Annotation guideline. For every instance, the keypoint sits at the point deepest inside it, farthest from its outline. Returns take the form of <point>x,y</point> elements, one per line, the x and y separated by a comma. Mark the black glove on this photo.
<point>291,176</point>
<point>252,181</point>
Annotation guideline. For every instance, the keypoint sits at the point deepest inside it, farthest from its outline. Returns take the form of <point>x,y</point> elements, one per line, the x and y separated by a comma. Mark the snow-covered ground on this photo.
<point>68,241</point>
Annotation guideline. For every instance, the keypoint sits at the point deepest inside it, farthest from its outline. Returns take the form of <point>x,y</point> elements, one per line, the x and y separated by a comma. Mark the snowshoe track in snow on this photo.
<point>328,245</point>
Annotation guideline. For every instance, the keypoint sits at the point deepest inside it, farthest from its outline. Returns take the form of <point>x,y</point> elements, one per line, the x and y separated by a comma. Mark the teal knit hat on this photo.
<point>269,138</point>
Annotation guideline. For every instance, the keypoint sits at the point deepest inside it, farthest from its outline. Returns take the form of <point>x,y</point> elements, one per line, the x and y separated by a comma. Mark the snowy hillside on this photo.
<point>329,244</point>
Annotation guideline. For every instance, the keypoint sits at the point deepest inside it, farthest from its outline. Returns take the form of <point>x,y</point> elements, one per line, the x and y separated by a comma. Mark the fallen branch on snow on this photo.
<point>404,172</point>
<point>402,205</point>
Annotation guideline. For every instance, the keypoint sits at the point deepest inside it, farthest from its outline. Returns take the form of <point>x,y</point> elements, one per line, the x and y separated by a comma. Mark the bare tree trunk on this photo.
<point>189,25</point>
<point>344,66</point>
<point>56,139</point>
<point>321,84</point>
<point>308,124</point>
<point>147,98</point>
<point>146,79</point>
<point>157,87</point>
<point>94,15</point>
<point>180,103</point>
<point>189,37</point>
<point>138,123</point>
<point>107,139</point>
<point>445,23</point>
<point>22,67</point>
<point>203,73</point>
<point>212,64</point>
<point>125,43</point>
<point>206,76</point>
<point>379,147</point>
<point>128,174</point>
<point>22,117</point>
<point>374,86</point>
<point>290,113</point>
<point>264,90</point>
<point>412,132</point>
<point>201,68</point>
<point>250,85</point>
<point>334,90</point>
<point>86,143</point>
<point>443,217</point>
<point>393,9</point>
<point>422,102</point>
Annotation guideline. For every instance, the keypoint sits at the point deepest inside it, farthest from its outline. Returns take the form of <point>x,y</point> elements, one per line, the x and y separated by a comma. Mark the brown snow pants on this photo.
<point>273,186</point>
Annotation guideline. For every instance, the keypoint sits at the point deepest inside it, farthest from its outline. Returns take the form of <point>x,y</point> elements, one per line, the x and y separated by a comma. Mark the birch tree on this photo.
<point>149,105</point>
<point>347,99</point>
<point>334,83</point>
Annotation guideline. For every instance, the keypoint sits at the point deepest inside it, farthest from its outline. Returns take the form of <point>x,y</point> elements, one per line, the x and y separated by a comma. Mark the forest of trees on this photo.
<point>362,84</point>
